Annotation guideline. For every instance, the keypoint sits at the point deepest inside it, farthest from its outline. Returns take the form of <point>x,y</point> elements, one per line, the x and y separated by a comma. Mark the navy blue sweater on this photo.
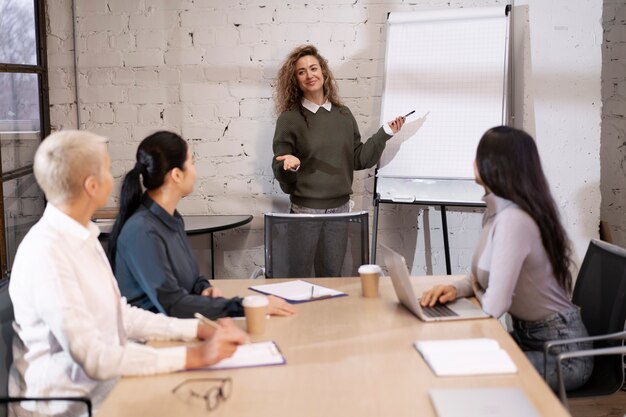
<point>157,271</point>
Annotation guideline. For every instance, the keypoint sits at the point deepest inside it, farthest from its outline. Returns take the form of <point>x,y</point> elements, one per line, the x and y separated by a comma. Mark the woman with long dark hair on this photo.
<point>522,262</point>
<point>148,248</point>
<point>317,147</point>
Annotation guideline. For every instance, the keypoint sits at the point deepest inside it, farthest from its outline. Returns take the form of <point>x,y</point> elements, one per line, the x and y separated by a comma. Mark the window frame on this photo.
<point>41,70</point>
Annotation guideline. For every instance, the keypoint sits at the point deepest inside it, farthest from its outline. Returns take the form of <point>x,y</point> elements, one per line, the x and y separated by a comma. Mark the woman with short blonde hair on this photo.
<point>62,164</point>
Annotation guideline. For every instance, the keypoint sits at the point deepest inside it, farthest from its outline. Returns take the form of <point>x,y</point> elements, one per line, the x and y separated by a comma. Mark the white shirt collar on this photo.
<point>69,226</point>
<point>313,108</point>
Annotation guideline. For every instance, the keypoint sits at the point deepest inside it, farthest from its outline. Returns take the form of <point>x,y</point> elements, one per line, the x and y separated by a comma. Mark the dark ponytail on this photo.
<point>157,155</point>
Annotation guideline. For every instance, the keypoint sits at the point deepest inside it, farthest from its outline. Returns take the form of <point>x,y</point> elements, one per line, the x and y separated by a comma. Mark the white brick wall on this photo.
<point>613,150</point>
<point>206,69</point>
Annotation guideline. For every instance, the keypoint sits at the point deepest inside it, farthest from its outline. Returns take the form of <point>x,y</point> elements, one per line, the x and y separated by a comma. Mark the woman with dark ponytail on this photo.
<point>148,248</point>
<point>521,264</point>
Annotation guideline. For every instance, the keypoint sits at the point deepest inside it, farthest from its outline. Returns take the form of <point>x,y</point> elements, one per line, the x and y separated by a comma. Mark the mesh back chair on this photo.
<point>315,245</point>
<point>6,354</point>
<point>600,292</point>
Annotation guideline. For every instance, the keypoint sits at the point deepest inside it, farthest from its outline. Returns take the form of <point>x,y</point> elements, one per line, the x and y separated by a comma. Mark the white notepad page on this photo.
<point>462,357</point>
<point>296,290</point>
<point>252,354</point>
<point>450,67</point>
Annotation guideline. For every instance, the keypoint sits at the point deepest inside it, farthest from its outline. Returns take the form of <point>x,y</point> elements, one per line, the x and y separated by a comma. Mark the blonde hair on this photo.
<point>288,95</point>
<point>63,161</point>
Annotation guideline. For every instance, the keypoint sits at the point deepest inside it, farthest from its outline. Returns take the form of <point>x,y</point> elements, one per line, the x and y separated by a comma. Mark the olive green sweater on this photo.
<point>329,149</point>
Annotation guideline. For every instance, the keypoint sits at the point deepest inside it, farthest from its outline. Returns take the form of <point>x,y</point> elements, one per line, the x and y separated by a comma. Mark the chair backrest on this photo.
<point>6,340</point>
<point>600,292</point>
<point>600,289</point>
<point>296,244</point>
<point>6,356</point>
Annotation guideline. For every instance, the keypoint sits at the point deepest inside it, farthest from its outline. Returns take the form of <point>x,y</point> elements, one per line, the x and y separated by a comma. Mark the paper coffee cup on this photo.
<point>370,275</point>
<point>255,308</point>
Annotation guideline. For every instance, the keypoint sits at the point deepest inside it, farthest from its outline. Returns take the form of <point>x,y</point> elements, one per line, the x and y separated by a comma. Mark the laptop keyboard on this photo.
<point>439,310</point>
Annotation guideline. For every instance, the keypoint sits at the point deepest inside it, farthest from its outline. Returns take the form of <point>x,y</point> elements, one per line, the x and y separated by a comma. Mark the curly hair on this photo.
<point>288,95</point>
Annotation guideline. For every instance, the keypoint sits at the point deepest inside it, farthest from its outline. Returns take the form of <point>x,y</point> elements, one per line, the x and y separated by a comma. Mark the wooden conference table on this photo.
<point>196,225</point>
<point>346,356</point>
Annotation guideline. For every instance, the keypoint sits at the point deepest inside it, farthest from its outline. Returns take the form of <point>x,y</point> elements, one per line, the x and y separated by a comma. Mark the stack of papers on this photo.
<point>297,291</point>
<point>466,357</point>
<point>252,354</point>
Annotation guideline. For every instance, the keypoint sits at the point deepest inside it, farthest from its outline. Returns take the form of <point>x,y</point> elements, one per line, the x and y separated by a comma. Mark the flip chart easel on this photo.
<point>452,68</point>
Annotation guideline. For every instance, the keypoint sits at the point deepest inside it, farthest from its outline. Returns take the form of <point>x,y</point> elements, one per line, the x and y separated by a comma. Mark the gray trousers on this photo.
<point>317,248</point>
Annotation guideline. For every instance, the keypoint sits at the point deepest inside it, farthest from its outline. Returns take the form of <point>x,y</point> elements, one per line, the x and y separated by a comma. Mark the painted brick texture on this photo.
<point>613,148</point>
<point>206,69</point>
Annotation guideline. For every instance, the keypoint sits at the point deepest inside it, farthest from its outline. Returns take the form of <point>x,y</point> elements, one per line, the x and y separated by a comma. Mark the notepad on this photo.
<point>481,402</point>
<point>297,291</point>
<point>252,354</point>
<point>461,357</point>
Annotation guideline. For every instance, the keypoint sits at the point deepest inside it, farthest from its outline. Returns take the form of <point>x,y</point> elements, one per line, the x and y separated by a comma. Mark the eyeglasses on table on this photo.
<point>212,396</point>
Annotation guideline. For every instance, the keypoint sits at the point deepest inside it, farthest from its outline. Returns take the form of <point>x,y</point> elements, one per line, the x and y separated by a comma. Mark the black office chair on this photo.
<point>295,244</point>
<point>600,292</point>
<point>6,355</point>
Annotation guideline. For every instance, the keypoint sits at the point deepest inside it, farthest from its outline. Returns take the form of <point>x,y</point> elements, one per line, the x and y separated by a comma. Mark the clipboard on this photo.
<point>251,355</point>
<point>298,291</point>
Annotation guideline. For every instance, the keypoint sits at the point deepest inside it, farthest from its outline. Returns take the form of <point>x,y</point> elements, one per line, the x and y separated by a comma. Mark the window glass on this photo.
<point>17,32</point>
<point>19,119</point>
<point>19,97</point>
<point>19,138</point>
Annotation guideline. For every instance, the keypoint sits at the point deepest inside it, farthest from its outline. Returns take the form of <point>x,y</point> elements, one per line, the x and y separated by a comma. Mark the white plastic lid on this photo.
<point>255,301</point>
<point>370,269</point>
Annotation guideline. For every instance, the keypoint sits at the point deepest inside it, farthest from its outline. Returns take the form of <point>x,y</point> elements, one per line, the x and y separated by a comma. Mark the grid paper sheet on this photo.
<point>450,67</point>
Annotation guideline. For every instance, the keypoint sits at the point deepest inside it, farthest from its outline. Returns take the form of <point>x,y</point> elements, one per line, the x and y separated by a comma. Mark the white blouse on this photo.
<point>72,325</point>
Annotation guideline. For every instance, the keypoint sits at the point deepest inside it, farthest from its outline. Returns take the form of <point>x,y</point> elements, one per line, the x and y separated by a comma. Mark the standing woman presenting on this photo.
<point>317,147</point>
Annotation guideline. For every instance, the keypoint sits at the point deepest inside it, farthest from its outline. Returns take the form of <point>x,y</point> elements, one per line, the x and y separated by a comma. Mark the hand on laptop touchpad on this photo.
<point>437,304</point>
<point>439,310</point>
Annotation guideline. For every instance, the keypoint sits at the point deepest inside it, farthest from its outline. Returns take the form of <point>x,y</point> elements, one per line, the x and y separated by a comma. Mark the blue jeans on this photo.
<point>531,336</point>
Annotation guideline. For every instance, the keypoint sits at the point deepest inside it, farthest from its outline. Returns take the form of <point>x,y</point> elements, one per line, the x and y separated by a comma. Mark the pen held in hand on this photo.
<point>206,320</point>
<point>409,113</point>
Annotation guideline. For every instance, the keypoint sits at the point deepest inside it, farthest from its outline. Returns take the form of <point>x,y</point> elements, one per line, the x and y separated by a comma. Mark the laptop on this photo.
<point>481,402</point>
<point>460,309</point>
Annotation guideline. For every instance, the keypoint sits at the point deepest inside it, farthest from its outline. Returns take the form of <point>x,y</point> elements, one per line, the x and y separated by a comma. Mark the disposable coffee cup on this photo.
<point>255,308</point>
<point>370,275</point>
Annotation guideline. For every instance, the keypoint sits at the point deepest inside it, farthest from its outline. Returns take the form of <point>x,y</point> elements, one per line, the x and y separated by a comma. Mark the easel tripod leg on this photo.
<point>446,244</point>
<point>375,231</point>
